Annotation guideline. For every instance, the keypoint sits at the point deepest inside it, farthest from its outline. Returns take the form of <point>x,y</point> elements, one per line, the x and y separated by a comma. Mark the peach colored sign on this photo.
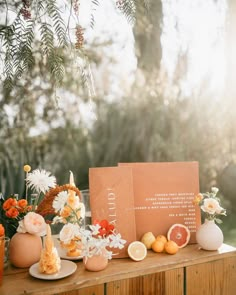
<point>163,195</point>
<point>111,198</point>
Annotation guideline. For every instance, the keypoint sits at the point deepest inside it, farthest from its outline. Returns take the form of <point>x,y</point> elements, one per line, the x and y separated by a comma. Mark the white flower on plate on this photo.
<point>211,206</point>
<point>68,232</point>
<point>60,201</point>
<point>41,180</point>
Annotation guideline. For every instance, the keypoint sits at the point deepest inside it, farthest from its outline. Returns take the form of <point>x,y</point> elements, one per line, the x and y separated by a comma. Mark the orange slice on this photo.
<point>137,251</point>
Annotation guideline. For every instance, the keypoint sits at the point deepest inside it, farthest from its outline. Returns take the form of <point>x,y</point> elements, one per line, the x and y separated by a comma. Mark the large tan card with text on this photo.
<point>111,198</point>
<point>163,196</point>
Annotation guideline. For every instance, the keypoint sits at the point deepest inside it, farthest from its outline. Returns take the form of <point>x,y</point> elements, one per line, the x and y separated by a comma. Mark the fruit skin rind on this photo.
<point>179,225</point>
<point>147,239</point>
<point>158,246</point>
<point>144,248</point>
<point>169,247</point>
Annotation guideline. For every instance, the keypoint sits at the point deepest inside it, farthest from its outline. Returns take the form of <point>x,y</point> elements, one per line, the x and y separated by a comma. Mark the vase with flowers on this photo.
<point>209,235</point>
<point>24,226</point>
<point>88,241</point>
<point>26,244</point>
<point>13,208</point>
<point>97,241</point>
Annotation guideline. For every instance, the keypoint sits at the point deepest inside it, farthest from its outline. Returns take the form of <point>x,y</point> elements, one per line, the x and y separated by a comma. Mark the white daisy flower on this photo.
<point>60,201</point>
<point>40,180</point>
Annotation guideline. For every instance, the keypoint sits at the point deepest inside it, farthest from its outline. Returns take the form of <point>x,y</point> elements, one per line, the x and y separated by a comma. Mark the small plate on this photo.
<point>62,252</point>
<point>64,256</point>
<point>67,268</point>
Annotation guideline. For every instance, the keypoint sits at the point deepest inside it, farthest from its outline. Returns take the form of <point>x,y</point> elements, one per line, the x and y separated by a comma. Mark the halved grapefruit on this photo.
<point>180,234</point>
<point>137,251</point>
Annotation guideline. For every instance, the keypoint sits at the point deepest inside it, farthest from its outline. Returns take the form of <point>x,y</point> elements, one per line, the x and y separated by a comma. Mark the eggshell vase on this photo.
<point>209,236</point>
<point>24,249</point>
<point>96,262</point>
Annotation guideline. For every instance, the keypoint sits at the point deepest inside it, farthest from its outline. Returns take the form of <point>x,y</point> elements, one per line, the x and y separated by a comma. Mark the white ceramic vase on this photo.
<point>209,236</point>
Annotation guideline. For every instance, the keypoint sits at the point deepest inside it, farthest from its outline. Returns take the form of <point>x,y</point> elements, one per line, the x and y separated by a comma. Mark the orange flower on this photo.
<point>12,212</point>
<point>9,203</point>
<point>65,212</point>
<point>2,230</point>
<point>22,203</point>
<point>29,208</point>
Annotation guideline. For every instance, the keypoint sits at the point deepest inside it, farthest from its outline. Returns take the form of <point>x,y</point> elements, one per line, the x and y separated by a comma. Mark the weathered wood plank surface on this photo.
<point>212,278</point>
<point>19,281</point>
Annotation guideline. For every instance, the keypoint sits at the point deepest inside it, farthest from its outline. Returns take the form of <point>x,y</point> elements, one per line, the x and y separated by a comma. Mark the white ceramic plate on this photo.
<point>67,268</point>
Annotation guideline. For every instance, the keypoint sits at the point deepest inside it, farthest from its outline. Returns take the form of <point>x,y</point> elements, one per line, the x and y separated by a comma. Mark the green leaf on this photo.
<point>219,221</point>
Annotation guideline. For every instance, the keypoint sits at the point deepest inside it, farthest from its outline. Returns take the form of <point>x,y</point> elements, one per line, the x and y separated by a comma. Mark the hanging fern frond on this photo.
<point>94,5</point>
<point>47,38</point>
<point>128,8</point>
<point>58,23</point>
<point>56,67</point>
<point>42,21</point>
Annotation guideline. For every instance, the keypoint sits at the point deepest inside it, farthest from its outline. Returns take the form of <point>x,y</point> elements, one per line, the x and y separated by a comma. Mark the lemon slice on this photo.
<point>137,251</point>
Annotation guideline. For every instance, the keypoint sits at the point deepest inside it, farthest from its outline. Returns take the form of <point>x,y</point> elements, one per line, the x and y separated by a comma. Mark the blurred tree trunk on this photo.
<point>147,33</point>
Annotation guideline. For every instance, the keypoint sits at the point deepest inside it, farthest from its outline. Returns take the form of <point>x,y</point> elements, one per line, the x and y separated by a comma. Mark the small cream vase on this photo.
<point>209,236</point>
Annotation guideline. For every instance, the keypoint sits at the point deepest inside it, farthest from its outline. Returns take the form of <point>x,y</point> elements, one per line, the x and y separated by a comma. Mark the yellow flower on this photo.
<point>27,168</point>
<point>198,198</point>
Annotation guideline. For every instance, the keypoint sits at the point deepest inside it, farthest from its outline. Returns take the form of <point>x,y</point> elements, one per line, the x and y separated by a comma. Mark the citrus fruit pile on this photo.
<point>161,244</point>
<point>177,237</point>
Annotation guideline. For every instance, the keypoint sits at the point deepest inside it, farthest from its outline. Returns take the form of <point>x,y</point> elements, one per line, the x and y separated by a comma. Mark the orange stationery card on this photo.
<point>163,196</point>
<point>111,198</point>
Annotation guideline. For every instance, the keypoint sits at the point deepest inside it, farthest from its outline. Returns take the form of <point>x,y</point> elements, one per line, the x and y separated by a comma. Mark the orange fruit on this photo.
<point>171,247</point>
<point>158,246</point>
<point>137,251</point>
<point>161,238</point>
<point>180,234</point>
<point>147,239</point>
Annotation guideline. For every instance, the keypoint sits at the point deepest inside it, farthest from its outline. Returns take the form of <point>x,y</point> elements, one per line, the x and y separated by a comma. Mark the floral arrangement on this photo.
<point>210,204</point>
<point>65,202</point>
<point>100,237</point>
<point>17,213</point>
<point>73,236</point>
<point>95,239</point>
<point>13,210</point>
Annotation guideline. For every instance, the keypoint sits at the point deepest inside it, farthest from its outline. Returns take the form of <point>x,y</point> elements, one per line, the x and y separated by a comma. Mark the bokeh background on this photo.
<point>160,88</point>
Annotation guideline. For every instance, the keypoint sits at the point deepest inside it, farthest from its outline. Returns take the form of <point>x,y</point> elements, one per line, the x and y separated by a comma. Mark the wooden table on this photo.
<point>191,271</point>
